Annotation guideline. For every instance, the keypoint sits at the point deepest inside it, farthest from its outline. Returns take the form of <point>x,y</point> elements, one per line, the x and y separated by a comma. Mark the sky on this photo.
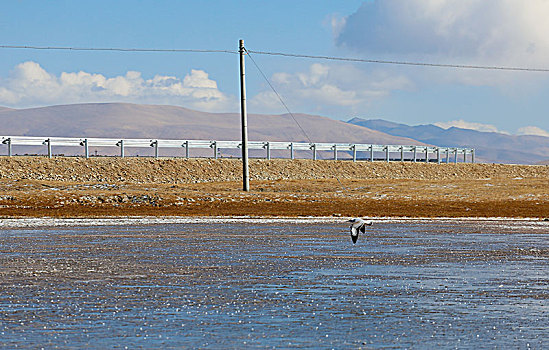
<point>503,33</point>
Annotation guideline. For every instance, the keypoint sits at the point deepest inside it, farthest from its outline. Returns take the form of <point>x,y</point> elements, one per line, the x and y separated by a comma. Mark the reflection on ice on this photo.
<point>275,283</point>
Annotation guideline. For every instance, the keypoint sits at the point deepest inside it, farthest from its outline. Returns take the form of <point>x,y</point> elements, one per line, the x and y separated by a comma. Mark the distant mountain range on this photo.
<point>489,146</point>
<point>123,120</point>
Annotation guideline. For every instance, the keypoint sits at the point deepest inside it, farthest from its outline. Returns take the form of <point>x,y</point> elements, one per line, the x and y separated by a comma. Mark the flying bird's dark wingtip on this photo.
<point>354,238</point>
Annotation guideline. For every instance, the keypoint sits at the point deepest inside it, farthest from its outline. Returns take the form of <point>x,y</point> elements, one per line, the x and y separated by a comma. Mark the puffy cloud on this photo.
<point>31,85</point>
<point>490,31</point>
<point>532,130</point>
<point>526,130</point>
<point>199,79</point>
<point>471,32</point>
<point>469,125</point>
<point>329,88</point>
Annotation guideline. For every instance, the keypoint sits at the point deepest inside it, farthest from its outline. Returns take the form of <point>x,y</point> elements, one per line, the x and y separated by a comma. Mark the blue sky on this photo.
<point>477,32</point>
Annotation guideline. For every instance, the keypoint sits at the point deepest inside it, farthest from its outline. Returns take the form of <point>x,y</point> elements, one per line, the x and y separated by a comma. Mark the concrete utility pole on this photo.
<point>244,120</point>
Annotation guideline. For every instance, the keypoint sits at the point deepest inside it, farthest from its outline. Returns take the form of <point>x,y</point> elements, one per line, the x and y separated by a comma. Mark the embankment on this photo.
<point>102,186</point>
<point>181,170</point>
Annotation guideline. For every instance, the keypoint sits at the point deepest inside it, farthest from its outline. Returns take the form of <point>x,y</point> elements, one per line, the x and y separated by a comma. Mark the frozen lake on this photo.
<point>281,284</point>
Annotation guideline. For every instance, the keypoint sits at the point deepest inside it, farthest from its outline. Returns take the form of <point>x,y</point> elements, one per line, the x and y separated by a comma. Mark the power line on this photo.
<point>287,109</point>
<point>283,54</point>
<point>426,64</point>
<point>281,101</point>
<point>119,49</point>
<point>279,97</point>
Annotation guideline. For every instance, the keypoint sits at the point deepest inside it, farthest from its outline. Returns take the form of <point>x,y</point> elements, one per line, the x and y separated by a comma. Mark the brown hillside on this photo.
<point>122,120</point>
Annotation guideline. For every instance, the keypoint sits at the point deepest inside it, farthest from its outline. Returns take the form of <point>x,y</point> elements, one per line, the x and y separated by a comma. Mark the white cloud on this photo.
<point>338,87</point>
<point>532,130</point>
<point>526,130</point>
<point>471,32</point>
<point>31,85</point>
<point>199,79</point>
<point>490,31</point>
<point>337,23</point>
<point>469,125</point>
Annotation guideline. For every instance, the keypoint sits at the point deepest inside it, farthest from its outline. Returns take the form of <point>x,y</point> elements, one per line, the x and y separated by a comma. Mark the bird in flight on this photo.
<point>358,225</point>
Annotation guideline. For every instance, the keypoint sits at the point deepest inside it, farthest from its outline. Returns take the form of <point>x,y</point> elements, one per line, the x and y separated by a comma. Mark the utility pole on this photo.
<point>244,120</point>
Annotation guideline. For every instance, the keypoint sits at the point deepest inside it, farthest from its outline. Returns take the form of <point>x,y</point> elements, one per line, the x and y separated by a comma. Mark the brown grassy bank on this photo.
<point>63,186</point>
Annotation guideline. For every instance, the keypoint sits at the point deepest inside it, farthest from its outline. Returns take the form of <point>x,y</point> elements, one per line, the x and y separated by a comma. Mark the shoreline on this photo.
<point>23,222</point>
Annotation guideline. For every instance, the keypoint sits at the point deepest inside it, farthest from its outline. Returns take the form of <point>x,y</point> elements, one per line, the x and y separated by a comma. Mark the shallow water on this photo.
<point>410,284</point>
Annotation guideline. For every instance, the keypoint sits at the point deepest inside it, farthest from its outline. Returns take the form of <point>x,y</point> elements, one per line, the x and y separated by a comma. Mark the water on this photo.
<point>408,284</point>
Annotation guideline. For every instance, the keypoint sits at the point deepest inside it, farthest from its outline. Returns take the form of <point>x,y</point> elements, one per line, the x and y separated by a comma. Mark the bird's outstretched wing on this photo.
<point>362,228</point>
<point>354,234</point>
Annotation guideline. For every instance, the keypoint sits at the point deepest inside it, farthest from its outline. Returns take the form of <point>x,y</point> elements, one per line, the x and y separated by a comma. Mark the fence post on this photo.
<point>447,155</point>
<point>354,153</point>
<point>426,154</point>
<point>86,149</point>
<point>455,155</point>
<point>402,153</point>
<point>371,153</point>
<point>335,152</point>
<point>472,155</point>
<point>122,148</point>
<point>156,149</point>
<point>48,141</point>
<point>387,153</point>
<point>291,150</point>
<point>313,147</point>
<point>187,149</point>
<point>438,155</point>
<point>9,147</point>
<point>268,147</point>
<point>415,154</point>
<point>214,146</point>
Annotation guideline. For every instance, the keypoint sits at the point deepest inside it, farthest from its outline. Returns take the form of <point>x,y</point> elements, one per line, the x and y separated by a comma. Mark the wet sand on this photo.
<point>283,284</point>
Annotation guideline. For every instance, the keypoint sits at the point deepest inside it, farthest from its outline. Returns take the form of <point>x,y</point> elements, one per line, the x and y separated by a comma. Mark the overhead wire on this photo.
<point>407,63</point>
<point>283,54</point>
<point>118,49</point>
<point>286,107</point>
<point>278,96</point>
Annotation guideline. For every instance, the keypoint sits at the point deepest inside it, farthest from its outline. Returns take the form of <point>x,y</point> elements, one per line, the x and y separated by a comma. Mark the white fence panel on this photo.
<point>373,152</point>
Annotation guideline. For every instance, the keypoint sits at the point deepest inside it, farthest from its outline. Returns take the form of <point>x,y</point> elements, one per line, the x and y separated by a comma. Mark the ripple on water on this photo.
<point>283,284</point>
